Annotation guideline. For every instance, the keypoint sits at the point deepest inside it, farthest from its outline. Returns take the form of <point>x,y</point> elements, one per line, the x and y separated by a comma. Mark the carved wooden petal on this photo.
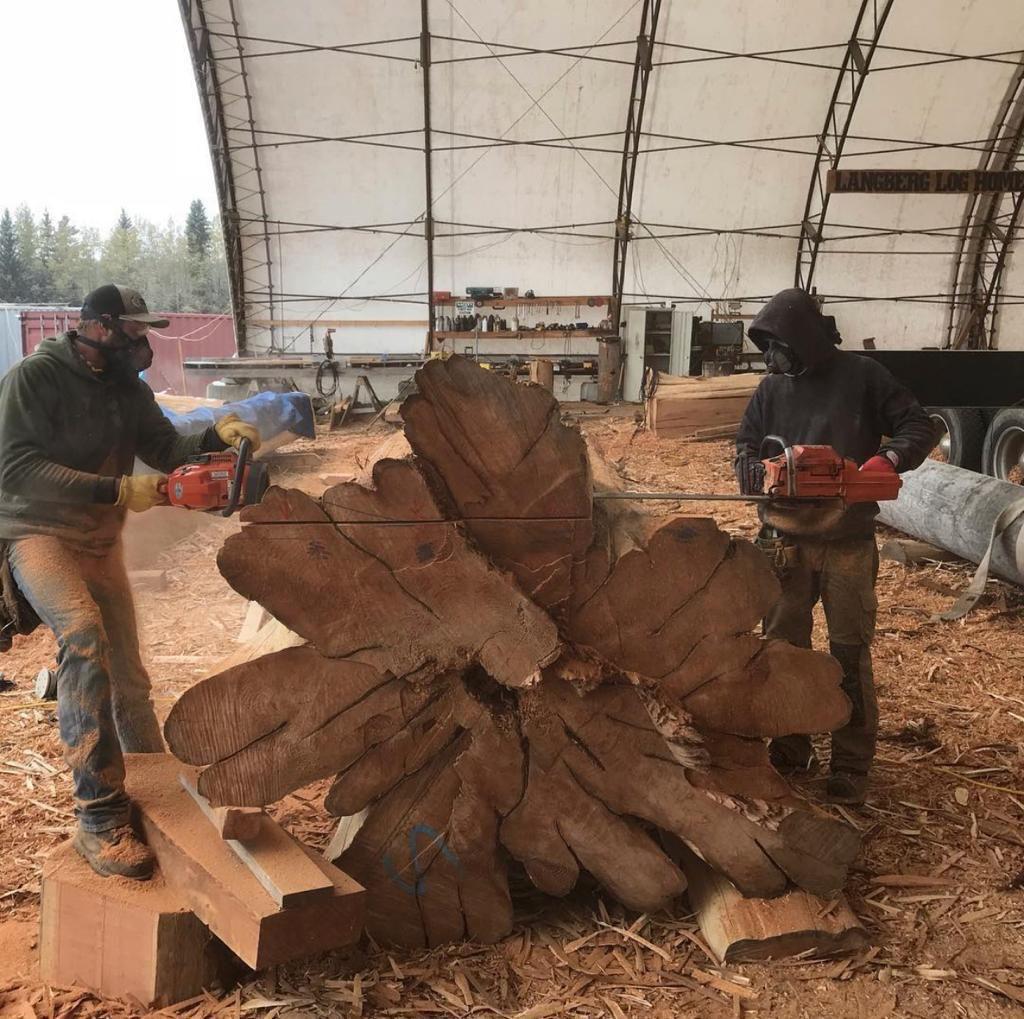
<point>512,469</point>
<point>383,587</point>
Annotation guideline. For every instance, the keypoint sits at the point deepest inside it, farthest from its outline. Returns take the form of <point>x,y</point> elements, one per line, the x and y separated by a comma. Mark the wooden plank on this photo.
<point>739,929</point>
<point>699,392</point>
<point>691,383</point>
<point>221,889</point>
<point>673,409</point>
<point>274,857</point>
<point>599,299</point>
<point>124,939</point>
<point>673,418</point>
<point>230,822</point>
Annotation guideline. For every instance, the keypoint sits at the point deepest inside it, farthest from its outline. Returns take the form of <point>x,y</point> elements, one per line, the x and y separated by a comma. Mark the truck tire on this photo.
<point>1004,446</point>
<point>961,435</point>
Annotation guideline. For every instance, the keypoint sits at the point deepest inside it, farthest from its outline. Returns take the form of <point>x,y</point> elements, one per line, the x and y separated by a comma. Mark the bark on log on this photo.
<point>496,668</point>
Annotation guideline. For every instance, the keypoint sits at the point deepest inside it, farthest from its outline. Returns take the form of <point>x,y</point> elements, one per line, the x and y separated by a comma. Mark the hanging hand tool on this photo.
<point>799,474</point>
<point>218,481</point>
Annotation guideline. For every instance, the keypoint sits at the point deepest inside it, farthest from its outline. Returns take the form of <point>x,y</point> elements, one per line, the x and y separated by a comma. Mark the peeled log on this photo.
<point>495,668</point>
<point>955,509</point>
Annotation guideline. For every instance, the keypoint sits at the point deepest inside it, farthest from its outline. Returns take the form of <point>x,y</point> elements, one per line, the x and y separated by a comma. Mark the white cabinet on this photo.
<point>658,338</point>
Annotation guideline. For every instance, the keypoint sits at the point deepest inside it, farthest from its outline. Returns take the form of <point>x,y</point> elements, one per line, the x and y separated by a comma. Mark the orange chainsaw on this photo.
<point>221,482</point>
<point>799,474</point>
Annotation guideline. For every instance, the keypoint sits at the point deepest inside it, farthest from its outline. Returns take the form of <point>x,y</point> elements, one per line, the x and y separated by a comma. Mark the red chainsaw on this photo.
<point>799,474</point>
<point>218,481</point>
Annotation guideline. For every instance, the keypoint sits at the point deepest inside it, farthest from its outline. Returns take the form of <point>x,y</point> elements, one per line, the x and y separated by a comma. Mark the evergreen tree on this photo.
<point>28,252</point>
<point>177,269</point>
<point>120,259</point>
<point>218,290</point>
<point>47,256</point>
<point>74,268</point>
<point>197,230</point>
<point>12,269</point>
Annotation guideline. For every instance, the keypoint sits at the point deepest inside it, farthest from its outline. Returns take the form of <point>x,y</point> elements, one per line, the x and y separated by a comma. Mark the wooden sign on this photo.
<point>923,182</point>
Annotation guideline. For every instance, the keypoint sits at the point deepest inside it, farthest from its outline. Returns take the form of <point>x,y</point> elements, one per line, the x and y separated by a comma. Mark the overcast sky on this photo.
<point>100,111</point>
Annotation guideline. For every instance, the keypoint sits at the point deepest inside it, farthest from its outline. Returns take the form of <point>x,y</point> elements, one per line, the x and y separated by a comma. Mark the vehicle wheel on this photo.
<point>961,435</point>
<point>1004,446</point>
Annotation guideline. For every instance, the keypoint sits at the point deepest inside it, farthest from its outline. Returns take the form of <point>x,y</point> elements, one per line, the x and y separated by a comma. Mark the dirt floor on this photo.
<point>947,802</point>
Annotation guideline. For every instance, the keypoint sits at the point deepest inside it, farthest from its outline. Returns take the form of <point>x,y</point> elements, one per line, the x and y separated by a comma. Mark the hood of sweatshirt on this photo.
<point>793,317</point>
<point>62,349</point>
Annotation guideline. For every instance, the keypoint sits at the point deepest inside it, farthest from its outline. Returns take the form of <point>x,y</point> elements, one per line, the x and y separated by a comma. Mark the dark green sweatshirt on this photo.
<point>67,435</point>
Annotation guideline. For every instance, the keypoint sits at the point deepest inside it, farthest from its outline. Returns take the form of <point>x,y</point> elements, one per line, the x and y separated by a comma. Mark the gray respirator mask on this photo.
<point>781,359</point>
<point>125,359</point>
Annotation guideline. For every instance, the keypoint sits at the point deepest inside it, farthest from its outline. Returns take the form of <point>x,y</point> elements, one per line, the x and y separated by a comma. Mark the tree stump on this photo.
<point>496,666</point>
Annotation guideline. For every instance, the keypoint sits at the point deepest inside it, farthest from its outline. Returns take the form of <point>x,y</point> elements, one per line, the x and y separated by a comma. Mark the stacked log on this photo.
<point>682,407</point>
<point>494,667</point>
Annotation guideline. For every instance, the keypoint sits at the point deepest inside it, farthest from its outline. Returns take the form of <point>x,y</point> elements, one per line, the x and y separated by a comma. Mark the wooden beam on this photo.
<point>221,890</point>
<point>290,876</point>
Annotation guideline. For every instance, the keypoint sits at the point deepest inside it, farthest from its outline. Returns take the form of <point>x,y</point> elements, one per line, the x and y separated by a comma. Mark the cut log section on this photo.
<point>739,929</point>
<point>497,669</point>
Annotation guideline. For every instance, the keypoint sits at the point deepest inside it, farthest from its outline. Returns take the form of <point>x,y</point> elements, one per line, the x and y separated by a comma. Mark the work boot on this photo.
<point>846,787</point>
<point>117,852</point>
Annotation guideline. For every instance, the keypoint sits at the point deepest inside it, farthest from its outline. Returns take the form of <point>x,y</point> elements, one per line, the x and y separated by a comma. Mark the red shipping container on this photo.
<point>188,335</point>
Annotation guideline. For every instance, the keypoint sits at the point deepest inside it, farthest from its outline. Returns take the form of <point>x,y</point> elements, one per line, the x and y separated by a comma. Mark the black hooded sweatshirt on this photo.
<point>842,400</point>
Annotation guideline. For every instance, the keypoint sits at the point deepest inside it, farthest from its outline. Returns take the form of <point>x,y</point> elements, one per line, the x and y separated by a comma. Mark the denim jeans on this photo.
<point>104,707</point>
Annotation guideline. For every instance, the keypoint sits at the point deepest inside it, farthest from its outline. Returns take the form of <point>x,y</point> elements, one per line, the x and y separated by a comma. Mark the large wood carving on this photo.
<point>500,667</point>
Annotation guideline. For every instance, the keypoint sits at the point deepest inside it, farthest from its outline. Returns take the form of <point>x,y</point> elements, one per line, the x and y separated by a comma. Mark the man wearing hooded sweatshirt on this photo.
<point>73,417</point>
<point>815,394</point>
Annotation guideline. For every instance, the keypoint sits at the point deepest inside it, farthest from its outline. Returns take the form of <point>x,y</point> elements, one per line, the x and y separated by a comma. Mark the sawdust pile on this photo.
<point>940,885</point>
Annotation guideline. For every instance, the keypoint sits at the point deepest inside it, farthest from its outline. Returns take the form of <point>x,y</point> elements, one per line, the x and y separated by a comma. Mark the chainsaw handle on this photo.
<point>235,491</point>
<point>787,452</point>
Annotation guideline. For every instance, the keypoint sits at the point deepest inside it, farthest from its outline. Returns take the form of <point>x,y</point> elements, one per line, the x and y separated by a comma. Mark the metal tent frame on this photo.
<point>979,252</point>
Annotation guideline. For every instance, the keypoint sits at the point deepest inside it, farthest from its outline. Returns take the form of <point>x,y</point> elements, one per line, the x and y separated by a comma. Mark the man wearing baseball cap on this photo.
<point>74,416</point>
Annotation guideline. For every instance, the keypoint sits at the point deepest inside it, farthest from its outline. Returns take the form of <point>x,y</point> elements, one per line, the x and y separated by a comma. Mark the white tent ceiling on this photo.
<point>316,116</point>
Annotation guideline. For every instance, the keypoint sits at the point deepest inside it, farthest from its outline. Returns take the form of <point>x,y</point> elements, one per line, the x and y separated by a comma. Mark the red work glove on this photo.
<point>879,463</point>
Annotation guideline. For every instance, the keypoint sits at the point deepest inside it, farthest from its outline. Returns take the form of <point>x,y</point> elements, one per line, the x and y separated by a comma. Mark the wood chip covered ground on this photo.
<point>940,884</point>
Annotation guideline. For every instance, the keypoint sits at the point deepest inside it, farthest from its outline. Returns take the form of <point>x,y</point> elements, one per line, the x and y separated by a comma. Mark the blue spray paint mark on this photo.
<point>418,886</point>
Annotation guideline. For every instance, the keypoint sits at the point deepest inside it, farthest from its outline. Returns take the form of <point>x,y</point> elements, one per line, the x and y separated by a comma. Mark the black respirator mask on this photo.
<point>781,359</point>
<point>125,359</point>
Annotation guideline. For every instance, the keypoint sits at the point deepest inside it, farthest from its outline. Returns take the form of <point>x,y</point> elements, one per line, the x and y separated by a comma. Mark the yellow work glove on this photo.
<point>232,429</point>
<point>139,492</point>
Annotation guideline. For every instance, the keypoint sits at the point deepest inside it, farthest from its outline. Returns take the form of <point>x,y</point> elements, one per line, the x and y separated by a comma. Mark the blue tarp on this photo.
<point>271,413</point>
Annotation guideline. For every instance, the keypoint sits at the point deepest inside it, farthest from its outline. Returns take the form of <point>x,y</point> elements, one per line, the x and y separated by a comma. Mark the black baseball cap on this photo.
<point>120,302</point>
